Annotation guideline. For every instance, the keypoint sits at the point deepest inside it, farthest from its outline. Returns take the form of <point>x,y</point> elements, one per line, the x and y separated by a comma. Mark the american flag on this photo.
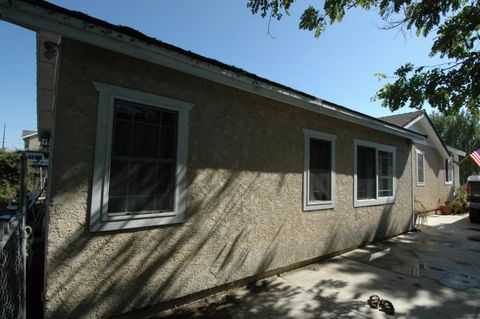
<point>476,156</point>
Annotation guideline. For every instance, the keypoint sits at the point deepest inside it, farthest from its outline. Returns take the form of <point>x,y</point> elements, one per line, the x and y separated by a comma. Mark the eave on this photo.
<point>43,16</point>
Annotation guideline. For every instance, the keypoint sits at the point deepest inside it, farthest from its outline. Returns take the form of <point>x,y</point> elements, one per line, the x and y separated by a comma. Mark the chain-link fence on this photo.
<point>11,269</point>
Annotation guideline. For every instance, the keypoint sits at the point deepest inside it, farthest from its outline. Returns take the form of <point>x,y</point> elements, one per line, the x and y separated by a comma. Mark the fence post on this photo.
<point>23,235</point>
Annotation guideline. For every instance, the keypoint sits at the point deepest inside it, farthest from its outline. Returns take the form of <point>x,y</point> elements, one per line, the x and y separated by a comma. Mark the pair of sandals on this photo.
<point>386,306</point>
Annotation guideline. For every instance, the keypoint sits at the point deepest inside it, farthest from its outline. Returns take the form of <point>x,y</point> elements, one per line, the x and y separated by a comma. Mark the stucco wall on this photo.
<point>435,192</point>
<point>244,207</point>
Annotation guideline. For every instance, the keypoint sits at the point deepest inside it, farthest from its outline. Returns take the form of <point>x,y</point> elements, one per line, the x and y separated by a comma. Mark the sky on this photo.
<point>338,67</point>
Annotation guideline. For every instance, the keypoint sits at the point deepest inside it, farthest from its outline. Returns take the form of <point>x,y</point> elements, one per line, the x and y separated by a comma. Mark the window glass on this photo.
<point>448,170</point>
<point>420,171</point>
<point>366,174</point>
<point>142,175</point>
<point>385,174</point>
<point>320,176</point>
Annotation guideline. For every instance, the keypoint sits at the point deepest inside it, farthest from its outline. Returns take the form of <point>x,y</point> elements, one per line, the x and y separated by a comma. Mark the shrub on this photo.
<point>10,177</point>
<point>459,202</point>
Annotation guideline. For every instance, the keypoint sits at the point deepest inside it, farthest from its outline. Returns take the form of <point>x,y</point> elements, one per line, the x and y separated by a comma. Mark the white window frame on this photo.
<point>310,205</point>
<point>378,200</point>
<point>417,152</point>
<point>99,219</point>
<point>447,166</point>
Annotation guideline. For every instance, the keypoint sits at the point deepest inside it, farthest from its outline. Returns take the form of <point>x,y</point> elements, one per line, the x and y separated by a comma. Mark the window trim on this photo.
<point>317,205</point>
<point>417,151</point>
<point>99,221</point>
<point>378,200</point>
<point>449,162</point>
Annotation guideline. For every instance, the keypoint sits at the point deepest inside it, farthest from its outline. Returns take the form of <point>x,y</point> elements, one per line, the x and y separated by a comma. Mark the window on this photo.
<point>420,161</point>
<point>448,171</point>
<point>374,180</point>
<point>319,171</point>
<point>140,160</point>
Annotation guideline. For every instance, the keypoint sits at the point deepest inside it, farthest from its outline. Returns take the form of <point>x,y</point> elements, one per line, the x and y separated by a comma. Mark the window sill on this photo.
<point>374,202</point>
<point>318,206</point>
<point>448,183</point>
<point>111,225</point>
<point>420,185</point>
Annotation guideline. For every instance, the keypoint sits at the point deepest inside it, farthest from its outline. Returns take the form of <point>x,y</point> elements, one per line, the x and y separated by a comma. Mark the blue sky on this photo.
<point>338,67</point>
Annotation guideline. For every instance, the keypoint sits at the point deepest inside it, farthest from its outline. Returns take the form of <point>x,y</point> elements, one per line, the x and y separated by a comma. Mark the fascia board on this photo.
<point>415,120</point>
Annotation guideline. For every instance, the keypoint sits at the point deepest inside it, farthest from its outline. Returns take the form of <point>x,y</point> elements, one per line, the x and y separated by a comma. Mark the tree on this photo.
<point>456,24</point>
<point>461,131</point>
<point>10,177</point>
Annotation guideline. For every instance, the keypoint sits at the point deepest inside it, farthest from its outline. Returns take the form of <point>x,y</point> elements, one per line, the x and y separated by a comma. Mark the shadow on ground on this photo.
<point>427,274</point>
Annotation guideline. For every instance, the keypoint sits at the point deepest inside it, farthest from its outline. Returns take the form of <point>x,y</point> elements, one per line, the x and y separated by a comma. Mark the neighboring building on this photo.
<point>37,159</point>
<point>436,164</point>
<point>173,175</point>
<point>31,141</point>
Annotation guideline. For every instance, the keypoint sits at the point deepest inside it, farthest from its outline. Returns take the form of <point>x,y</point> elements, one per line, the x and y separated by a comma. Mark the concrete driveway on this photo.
<point>434,273</point>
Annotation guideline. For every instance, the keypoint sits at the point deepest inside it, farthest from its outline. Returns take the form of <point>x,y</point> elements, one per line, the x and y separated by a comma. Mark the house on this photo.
<point>30,140</point>
<point>437,174</point>
<point>38,161</point>
<point>173,176</point>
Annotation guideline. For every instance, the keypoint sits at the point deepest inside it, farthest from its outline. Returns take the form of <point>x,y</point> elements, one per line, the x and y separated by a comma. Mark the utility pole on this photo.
<point>3,139</point>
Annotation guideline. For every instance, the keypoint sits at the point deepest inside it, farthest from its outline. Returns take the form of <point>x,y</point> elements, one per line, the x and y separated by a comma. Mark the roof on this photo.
<point>408,119</point>
<point>402,119</point>
<point>456,150</point>
<point>27,132</point>
<point>43,16</point>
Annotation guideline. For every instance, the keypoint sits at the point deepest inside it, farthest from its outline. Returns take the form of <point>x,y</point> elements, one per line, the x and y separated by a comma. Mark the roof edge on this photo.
<point>41,15</point>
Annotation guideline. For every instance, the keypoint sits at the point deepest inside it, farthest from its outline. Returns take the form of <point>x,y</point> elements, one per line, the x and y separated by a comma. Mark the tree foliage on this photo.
<point>456,25</point>
<point>461,131</point>
<point>9,176</point>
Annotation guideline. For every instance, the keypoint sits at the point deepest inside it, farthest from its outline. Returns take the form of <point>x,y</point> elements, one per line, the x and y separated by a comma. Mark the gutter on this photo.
<point>41,15</point>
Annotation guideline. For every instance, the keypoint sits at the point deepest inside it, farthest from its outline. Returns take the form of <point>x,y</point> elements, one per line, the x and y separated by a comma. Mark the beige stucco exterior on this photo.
<point>244,193</point>
<point>32,143</point>
<point>435,191</point>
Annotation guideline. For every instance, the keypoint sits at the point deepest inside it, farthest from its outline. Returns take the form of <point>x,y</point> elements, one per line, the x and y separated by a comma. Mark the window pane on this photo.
<point>320,176</point>
<point>123,110</point>
<point>366,175</point>
<point>448,170</point>
<point>146,115</point>
<point>122,138</point>
<point>118,178</point>
<point>142,171</point>
<point>141,179</point>
<point>164,203</point>
<point>420,175</point>
<point>385,174</point>
<point>167,142</point>
<point>166,179</point>
<point>117,205</point>
<point>145,140</point>
<point>140,204</point>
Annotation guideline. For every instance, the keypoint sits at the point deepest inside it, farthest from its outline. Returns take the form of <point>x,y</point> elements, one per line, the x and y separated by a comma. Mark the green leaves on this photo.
<point>311,20</point>
<point>456,24</point>
<point>462,131</point>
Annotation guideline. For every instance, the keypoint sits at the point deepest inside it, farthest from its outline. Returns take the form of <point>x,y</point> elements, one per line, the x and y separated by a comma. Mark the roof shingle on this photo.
<point>401,119</point>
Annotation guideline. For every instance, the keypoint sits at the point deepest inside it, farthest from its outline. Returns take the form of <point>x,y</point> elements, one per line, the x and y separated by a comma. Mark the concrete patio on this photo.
<point>433,273</point>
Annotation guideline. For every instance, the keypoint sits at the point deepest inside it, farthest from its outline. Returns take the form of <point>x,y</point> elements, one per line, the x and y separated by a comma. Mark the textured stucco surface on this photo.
<point>244,204</point>
<point>435,192</point>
